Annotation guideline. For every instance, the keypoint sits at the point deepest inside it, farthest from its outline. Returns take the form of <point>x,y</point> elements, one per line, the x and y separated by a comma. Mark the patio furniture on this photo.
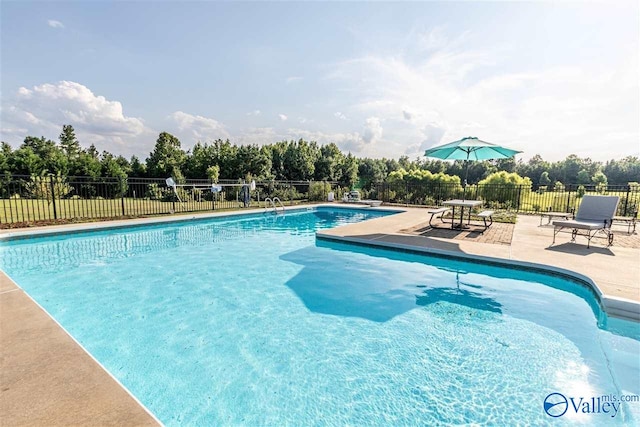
<point>435,213</point>
<point>351,196</point>
<point>462,205</point>
<point>550,215</point>
<point>630,221</point>
<point>595,215</point>
<point>484,215</point>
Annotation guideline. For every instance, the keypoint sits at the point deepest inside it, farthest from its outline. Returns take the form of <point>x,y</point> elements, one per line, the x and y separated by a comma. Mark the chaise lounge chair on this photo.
<point>594,215</point>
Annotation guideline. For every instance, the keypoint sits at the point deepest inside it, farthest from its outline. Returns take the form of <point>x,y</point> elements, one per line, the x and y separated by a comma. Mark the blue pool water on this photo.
<point>251,321</point>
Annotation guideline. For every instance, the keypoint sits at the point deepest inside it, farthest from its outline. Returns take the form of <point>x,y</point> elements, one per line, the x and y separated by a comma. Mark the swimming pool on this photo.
<point>250,321</point>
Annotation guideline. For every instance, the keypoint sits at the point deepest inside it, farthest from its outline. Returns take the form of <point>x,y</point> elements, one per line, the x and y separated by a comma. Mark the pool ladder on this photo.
<point>273,203</point>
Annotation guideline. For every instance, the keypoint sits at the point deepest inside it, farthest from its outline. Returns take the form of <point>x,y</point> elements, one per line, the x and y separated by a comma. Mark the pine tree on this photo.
<point>68,141</point>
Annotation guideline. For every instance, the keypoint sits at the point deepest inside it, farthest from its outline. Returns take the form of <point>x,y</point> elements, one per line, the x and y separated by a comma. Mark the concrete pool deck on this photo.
<point>47,378</point>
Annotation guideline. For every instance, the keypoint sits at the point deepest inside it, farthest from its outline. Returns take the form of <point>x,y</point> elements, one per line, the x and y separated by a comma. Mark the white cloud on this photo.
<point>55,24</point>
<point>345,141</point>
<point>372,130</point>
<point>293,79</point>
<point>43,109</point>
<point>254,113</point>
<point>340,115</point>
<point>433,133</point>
<point>198,128</point>
<point>282,117</point>
<point>554,111</point>
<point>259,136</point>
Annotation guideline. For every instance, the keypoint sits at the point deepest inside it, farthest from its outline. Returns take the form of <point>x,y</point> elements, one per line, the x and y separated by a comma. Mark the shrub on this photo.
<point>506,188</point>
<point>153,192</point>
<point>318,191</point>
<point>422,187</point>
<point>48,187</point>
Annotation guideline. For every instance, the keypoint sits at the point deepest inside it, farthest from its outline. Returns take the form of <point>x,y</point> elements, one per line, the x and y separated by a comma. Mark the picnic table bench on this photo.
<point>484,215</point>
<point>629,220</point>
<point>550,215</point>
<point>437,213</point>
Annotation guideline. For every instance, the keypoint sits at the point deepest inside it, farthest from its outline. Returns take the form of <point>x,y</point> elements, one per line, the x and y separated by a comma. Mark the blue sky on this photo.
<point>379,79</point>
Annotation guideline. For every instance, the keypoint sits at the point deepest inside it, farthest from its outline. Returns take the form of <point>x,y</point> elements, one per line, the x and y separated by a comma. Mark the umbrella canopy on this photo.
<point>470,148</point>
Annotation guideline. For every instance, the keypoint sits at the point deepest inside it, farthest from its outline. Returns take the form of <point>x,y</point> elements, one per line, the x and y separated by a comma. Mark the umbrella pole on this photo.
<point>466,174</point>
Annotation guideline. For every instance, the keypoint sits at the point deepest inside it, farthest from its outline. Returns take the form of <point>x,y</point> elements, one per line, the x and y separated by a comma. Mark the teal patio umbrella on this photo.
<point>470,148</point>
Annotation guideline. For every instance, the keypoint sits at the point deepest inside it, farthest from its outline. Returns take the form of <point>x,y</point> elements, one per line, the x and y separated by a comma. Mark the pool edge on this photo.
<point>617,307</point>
<point>94,365</point>
<point>84,227</point>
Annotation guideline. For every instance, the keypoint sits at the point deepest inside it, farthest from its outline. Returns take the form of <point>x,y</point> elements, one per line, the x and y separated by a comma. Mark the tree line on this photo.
<point>288,160</point>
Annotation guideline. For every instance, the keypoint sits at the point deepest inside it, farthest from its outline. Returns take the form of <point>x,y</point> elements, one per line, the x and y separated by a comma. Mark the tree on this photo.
<point>93,151</point>
<point>112,168</point>
<point>5,153</point>
<point>600,180</point>
<point>621,172</point>
<point>583,177</point>
<point>299,160</point>
<point>225,155</point>
<point>166,157</point>
<point>68,142</point>
<point>371,171</point>
<point>253,160</point>
<point>87,165</point>
<point>544,178</point>
<point>349,172</point>
<point>507,165</point>
<point>328,166</point>
<point>52,159</point>
<point>213,173</point>
<point>138,169</point>
<point>24,161</point>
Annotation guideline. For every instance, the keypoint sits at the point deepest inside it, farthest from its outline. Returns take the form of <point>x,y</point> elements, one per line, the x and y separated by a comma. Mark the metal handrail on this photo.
<point>275,207</point>
<point>269,202</point>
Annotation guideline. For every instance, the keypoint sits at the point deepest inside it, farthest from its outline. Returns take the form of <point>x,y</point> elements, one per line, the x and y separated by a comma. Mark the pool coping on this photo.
<point>114,403</point>
<point>618,307</point>
<point>27,233</point>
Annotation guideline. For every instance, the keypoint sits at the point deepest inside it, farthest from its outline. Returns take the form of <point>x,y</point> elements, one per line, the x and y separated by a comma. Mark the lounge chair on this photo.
<point>594,215</point>
<point>351,196</point>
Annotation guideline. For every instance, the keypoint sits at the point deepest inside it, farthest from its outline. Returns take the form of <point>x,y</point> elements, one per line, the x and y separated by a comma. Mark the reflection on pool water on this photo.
<point>251,321</point>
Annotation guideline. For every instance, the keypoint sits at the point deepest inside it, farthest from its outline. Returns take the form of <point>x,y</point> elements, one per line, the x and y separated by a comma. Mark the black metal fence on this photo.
<point>515,198</point>
<point>33,199</point>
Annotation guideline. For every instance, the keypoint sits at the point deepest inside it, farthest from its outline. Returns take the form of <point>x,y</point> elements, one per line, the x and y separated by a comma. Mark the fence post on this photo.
<point>519,194</point>
<point>626,200</point>
<point>53,196</point>
<point>568,199</point>
<point>406,194</point>
<point>122,201</point>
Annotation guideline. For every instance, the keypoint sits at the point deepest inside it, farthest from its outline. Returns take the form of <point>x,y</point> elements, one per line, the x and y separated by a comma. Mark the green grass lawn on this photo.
<point>33,210</point>
<point>21,211</point>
